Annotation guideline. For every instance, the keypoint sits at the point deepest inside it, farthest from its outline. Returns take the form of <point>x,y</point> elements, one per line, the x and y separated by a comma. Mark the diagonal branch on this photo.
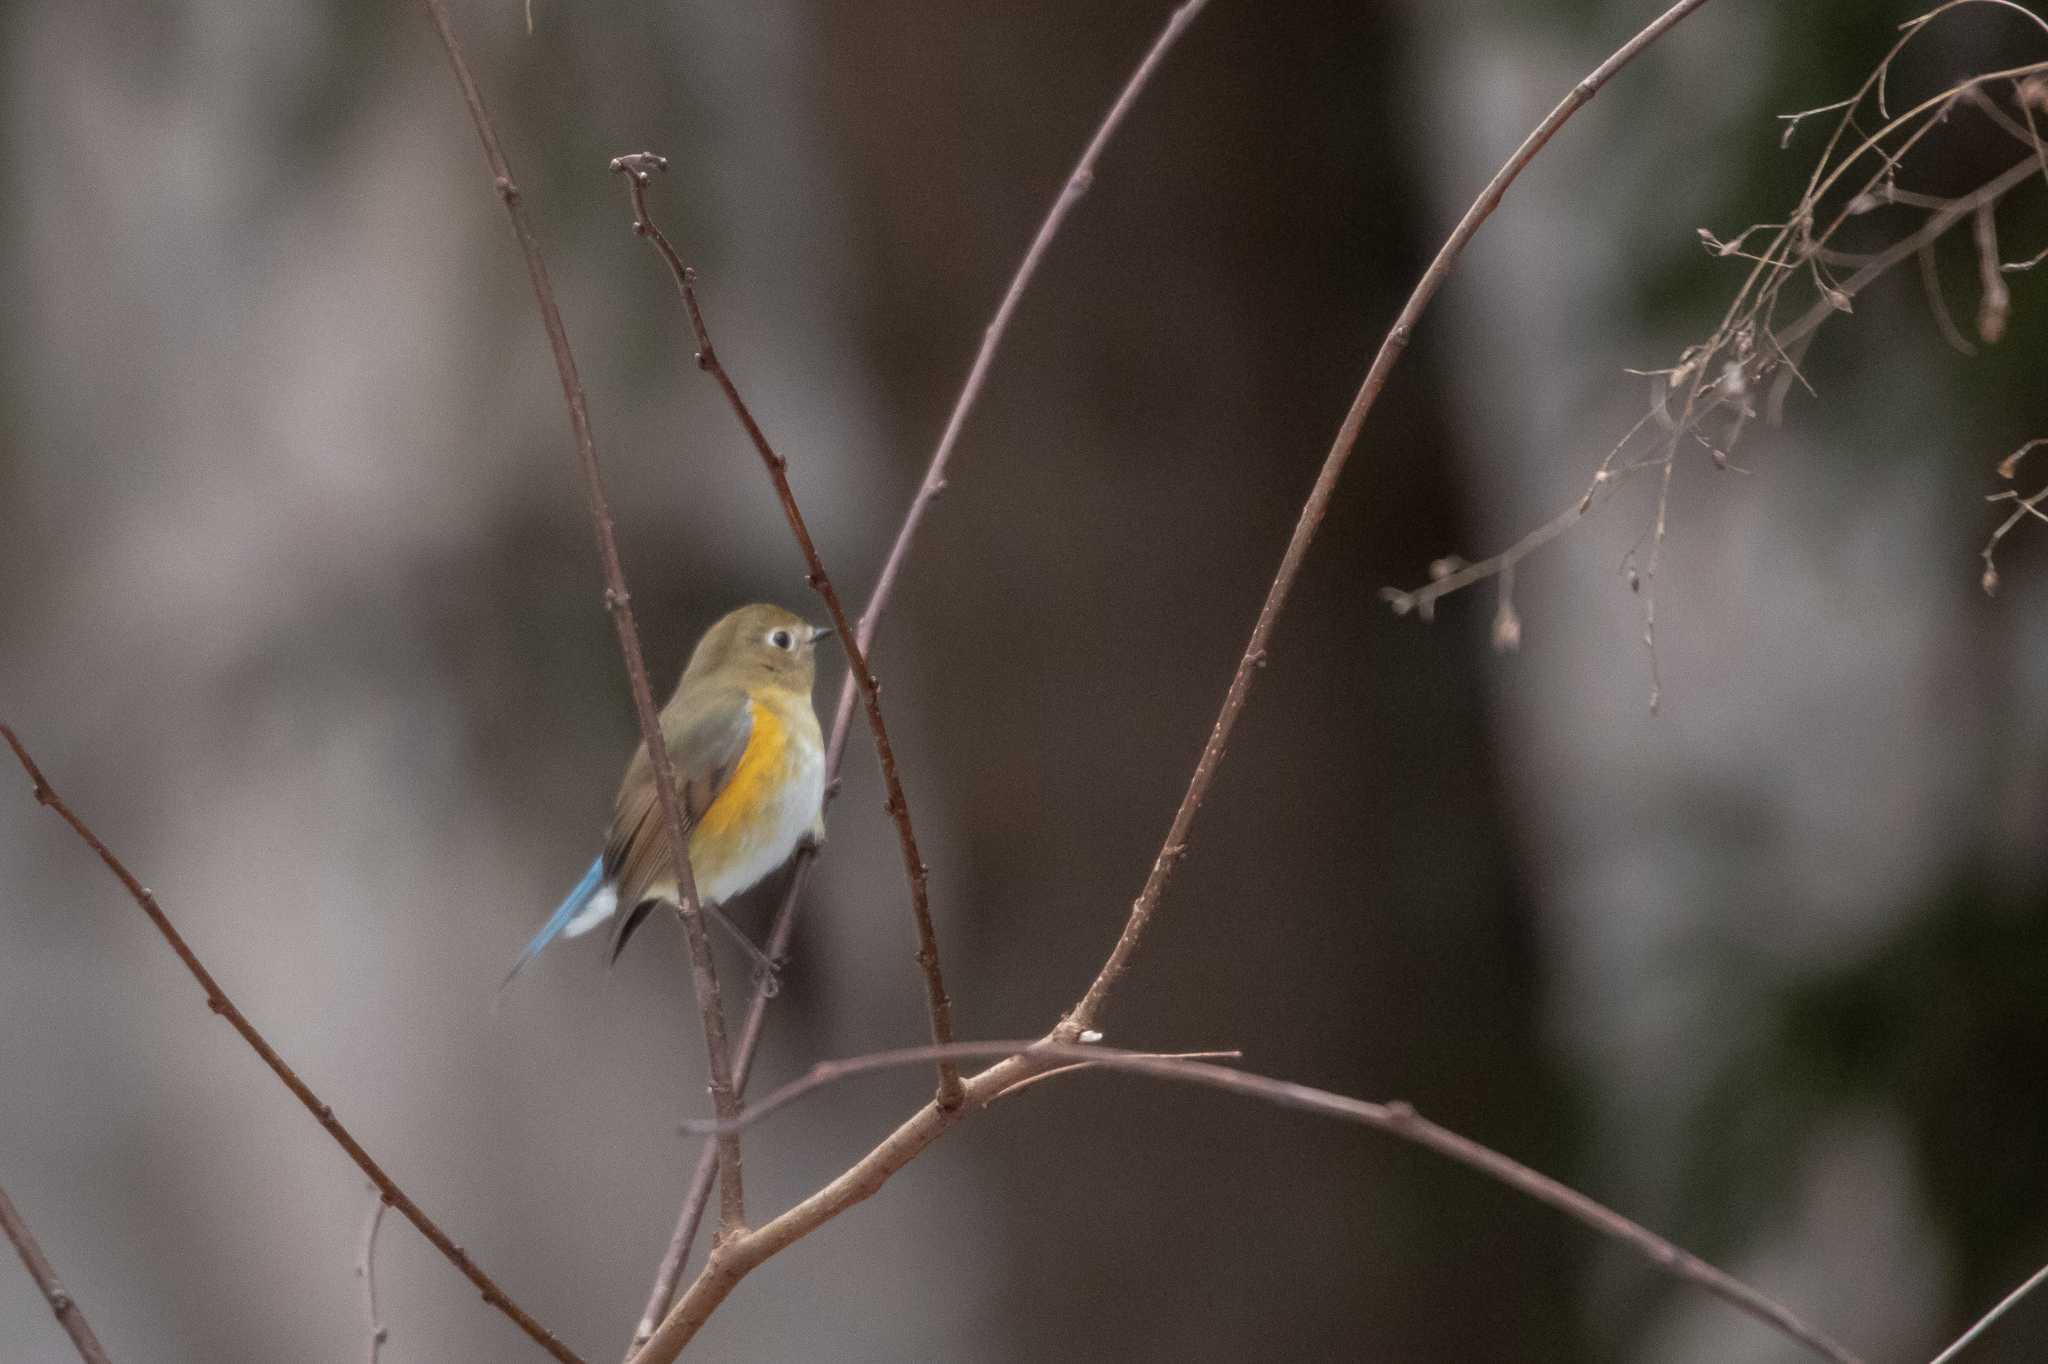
<point>637,167</point>
<point>40,1269</point>
<point>703,970</point>
<point>218,1001</point>
<point>1077,184</point>
<point>784,927</point>
<point>1088,1012</point>
<point>1985,1322</point>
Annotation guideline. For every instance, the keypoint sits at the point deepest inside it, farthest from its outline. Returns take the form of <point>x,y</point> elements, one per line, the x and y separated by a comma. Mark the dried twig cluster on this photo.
<point>1798,279</point>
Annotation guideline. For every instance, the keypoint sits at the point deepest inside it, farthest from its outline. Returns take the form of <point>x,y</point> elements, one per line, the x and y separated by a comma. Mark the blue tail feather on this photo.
<point>559,920</point>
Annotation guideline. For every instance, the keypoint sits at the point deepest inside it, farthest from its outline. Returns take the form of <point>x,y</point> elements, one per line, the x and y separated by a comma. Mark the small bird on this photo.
<point>750,771</point>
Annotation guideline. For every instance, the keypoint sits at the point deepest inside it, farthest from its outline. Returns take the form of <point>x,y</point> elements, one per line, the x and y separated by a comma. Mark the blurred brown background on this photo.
<point>301,610</point>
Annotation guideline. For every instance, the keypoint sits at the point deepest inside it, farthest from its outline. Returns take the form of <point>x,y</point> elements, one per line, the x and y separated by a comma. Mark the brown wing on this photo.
<point>706,736</point>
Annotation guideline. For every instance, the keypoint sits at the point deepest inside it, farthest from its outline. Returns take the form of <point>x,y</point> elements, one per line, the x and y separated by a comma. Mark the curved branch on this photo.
<point>218,1001</point>
<point>1088,1012</point>
<point>1023,1060</point>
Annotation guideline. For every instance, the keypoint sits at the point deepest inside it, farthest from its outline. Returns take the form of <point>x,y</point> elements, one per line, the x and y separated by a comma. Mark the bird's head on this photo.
<point>759,643</point>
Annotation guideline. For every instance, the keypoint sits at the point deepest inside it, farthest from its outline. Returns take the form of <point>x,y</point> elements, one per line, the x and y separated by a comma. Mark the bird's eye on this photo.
<point>782,639</point>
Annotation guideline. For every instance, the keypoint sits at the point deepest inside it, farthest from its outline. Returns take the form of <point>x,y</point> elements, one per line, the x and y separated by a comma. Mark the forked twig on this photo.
<point>783,929</point>
<point>703,970</point>
<point>217,1000</point>
<point>637,168</point>
<point>66,1309</point>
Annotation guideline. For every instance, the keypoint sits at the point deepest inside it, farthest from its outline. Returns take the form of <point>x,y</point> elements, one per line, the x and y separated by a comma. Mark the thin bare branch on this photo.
<point>1087,1013</point>
<point>1450,575</point>
<point>1937,303</point>
<point>1226,1054</point>
<point>366,1270</point>
<point>670,1272</point>
<point>1650,569</point>
<point>68,1313</point>
<point>1056,1057</point>
<point>2024,94</point>
<point>637,168</point>
<point>2015,267</point>
<point>703,970</point>
<point>2036,20</point>
<point>1078,182</point>
<point>1985,1322</point>
<point>936,474</point>
<point>1994,308</point>
<point>217,1000</point>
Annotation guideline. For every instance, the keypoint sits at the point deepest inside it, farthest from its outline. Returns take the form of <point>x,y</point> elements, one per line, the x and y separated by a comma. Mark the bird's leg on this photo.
<point>765,967</point>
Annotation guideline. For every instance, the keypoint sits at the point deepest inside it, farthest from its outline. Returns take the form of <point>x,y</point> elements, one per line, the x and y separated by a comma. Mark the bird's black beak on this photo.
<point>819,632</point>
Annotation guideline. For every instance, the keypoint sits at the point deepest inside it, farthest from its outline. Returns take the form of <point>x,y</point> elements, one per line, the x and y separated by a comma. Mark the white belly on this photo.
<point>773,838</point>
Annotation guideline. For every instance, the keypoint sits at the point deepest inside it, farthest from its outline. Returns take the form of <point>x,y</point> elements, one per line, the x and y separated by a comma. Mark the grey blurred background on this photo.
<point>301,610</point>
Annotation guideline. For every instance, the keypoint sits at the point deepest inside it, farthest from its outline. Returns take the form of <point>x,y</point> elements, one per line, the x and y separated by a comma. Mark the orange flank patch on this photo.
<point>737,813</point>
